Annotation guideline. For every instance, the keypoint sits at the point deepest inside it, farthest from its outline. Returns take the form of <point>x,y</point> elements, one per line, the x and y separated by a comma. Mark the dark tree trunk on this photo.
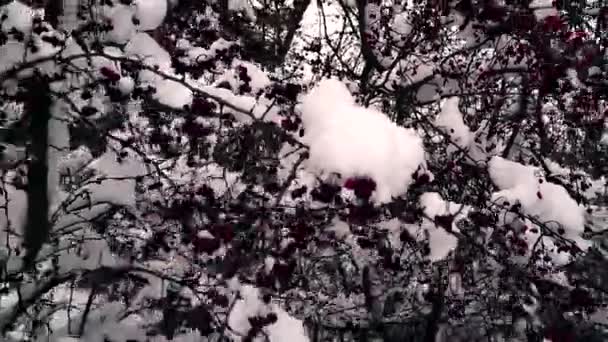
<point>38,105</point>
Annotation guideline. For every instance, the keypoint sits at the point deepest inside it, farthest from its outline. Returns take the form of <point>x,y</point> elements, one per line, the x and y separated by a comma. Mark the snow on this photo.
<point>69,18</point>
<point>242,6</point>
<point>74,161</point>
<point>16,209</point>
<point>440,242</point>
<point>71,49</point>
<point>18,16</point>
<point>121,17</point>
<point>402,26</point>
<point>168,92</point>
<point>604,139</point>
<point>339,228</point>
<point>214,176</point>
<point>410,70</point>
<point>243,107</point>
<point>286,328</point>
<point>199,54</point>
<point>126,85</point>
<point>434,205</point>
<point>358,142</point>
<point>172,94</point>
<point>205,234</point>
<point>269,263</point>
<point>59,137</point>
<point>11,53</point>
<point>118,191</point>
<point>150,13</point>
<point>543,9</point>
<point>572,76</point>
<point>91,252</point>
<point>10,155</point>
<point>480,148</point>
<point>450,121</point>
<point>143,46</point>
<point>249,306</point>
<point>259,78</point>
<point>549,202</point>
<point>44,50</point>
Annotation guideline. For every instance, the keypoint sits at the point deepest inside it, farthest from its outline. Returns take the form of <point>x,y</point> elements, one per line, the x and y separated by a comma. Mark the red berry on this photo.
<point>224,232</point>
<point>205,245</point>
<point>202,107</point>
<point>423,179</point>
<point>289,125</point>
<point>363,187</point>
<point>575,36</point>
<point>350,183</point>
<point>109,74</point>
<point>553,23</point>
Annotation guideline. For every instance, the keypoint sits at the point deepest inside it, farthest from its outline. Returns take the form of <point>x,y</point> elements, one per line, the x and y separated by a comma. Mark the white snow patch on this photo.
<point>402,25</point>
<point>18,16</point>
<point>126,85</point>
<point>549,202</point>
<point>340,229</point>
<point>11,53</point>
<point>358,142</point>
<point>119,187</point>
<point>440,241</point>
<point>205,234</point>
<point>242,6</point>
<point>121,18</point>
<point>150,13</point>
<point>286,328</point>
<point>172,94</point>
<point>168,92</point>
<point>450,120</point>
<point>259,79</point>
<point>144,47</point>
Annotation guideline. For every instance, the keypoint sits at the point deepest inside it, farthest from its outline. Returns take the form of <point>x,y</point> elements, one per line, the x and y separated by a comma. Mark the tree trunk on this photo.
<point>38,104</point>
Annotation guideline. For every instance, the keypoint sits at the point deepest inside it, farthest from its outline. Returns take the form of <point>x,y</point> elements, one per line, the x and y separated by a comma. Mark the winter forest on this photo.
<point>303,170</point>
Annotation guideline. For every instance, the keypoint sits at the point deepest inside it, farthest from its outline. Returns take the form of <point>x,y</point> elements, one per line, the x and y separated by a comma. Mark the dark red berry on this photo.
<point>109,74</point>
<point>363,187</point>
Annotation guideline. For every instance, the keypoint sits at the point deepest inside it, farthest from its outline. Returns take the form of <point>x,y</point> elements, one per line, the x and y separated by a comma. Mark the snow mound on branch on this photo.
<point>451,121</point>
<point>121,17</point>
<point>173,94</point>
<point>168,92</point>
<point>197,54</point>
<point>259,79</point>
<point>441,242</point>
<point>402,25</point>
<point>143,47</point>
<point>150,13</point>
<point>18,16</point>
<point>549,202</point>
<point>358,142</point>
<point>286,328</point>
